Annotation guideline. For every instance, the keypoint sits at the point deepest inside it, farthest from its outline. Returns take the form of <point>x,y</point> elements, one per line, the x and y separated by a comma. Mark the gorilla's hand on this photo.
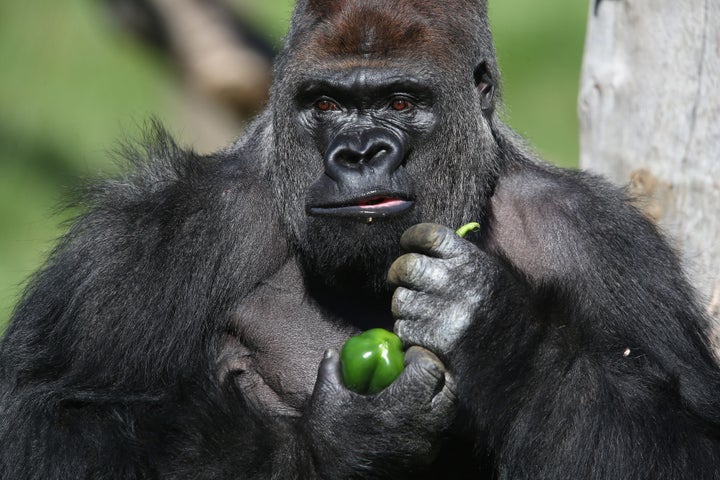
<point>386,434</point>
<point>441,287</point>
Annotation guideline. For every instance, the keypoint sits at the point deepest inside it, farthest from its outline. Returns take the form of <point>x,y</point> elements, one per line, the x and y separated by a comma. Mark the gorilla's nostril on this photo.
<point>349,158</point>
<point>379,152</point>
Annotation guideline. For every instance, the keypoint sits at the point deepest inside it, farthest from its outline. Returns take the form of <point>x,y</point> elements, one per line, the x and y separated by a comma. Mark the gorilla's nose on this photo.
<point>368,152</point>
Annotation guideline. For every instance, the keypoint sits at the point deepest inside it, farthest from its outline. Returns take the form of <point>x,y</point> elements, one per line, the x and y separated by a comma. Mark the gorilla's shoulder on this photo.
<point>167,196</point>
<point>170,213</point>
<point>157,173</point>
<point>541,184</point>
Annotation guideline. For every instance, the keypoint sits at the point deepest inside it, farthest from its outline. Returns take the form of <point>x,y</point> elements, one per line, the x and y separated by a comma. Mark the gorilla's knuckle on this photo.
<point>409,331</point>
<point>422,236</point>
<point>405,269</point>
<point>432,370</point>
<point>428,378</point>
<point>401,329</point>
<point>400,301</point>
<point>417,268</point>
<point>446,239</point>
<point>424,359</point>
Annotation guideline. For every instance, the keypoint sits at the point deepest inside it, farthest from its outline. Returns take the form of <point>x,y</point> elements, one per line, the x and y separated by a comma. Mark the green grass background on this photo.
<point>72,86</point>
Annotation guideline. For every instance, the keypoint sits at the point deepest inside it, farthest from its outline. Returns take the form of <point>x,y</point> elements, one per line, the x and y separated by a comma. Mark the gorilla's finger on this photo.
<point>418,272</point>
<point>419,355</point>
<point>434,240</point>
<point>411,332</point>
<point>424,376</point>
<point>415,305</point>
<point>433,334</point>
<point>402,300</point>
<point>329,378</point>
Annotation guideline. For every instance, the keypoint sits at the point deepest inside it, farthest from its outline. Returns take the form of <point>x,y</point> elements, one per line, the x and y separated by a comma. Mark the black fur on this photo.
<point>179,329</point>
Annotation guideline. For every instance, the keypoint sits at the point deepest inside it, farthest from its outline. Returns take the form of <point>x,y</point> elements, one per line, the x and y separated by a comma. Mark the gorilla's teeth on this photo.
<point>369,220</point>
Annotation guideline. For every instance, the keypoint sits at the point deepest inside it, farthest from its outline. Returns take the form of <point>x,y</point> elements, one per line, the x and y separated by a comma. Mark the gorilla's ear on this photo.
<point>485,85</point>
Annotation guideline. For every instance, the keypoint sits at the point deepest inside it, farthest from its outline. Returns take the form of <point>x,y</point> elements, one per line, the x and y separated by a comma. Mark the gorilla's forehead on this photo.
<point>391,29</point>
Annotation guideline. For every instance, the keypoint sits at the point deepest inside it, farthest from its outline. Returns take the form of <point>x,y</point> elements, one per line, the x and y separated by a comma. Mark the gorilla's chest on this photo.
<point>279,336</point>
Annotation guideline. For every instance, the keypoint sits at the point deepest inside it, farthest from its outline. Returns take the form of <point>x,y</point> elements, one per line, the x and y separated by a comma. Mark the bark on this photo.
<point>650,117</point>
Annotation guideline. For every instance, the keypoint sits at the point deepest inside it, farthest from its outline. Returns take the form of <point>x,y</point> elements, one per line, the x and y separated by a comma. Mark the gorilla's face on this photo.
<point>366,125</point>
<point>372,138</point>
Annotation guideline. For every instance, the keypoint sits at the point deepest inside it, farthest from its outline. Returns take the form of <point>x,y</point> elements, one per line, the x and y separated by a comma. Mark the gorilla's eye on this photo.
<point>401,104</point>
<point>326,105</point>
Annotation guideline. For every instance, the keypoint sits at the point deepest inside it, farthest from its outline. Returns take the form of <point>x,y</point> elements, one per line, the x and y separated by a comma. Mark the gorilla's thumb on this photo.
<point>329,379</point>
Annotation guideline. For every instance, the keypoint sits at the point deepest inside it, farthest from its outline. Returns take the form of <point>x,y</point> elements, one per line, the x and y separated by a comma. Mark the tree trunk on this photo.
<point>650,116</point>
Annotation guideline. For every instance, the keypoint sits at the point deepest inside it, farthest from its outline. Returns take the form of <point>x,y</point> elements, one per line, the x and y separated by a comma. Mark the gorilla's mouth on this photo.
<point>367,206</point>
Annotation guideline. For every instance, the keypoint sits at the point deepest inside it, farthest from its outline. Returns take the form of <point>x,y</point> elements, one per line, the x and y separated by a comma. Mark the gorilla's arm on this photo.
<point>622,343</point>
<point>577,339</point>
<point>124,316</point>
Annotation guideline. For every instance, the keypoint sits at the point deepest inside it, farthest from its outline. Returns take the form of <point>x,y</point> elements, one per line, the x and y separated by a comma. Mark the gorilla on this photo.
<point>187,326</point>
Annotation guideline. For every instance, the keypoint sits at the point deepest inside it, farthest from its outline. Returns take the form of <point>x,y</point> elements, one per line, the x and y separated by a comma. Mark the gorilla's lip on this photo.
<point>377,205</point>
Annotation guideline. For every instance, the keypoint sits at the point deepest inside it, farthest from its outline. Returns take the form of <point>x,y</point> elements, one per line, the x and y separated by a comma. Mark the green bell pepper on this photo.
<point>371,361</point>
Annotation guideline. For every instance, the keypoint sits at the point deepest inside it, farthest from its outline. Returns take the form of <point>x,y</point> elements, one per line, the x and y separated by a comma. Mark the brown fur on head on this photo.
<point>444,31</point>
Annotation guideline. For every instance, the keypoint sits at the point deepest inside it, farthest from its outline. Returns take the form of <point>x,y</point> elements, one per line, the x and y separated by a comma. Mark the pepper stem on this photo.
<point>467,228</point>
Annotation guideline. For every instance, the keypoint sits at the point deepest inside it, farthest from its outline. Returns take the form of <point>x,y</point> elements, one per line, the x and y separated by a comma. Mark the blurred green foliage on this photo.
<point>72,86</point>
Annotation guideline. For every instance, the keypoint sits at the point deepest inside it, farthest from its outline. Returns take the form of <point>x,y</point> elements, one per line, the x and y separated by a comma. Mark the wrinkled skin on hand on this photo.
<point>442,286</point>
<point>408,419</point>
